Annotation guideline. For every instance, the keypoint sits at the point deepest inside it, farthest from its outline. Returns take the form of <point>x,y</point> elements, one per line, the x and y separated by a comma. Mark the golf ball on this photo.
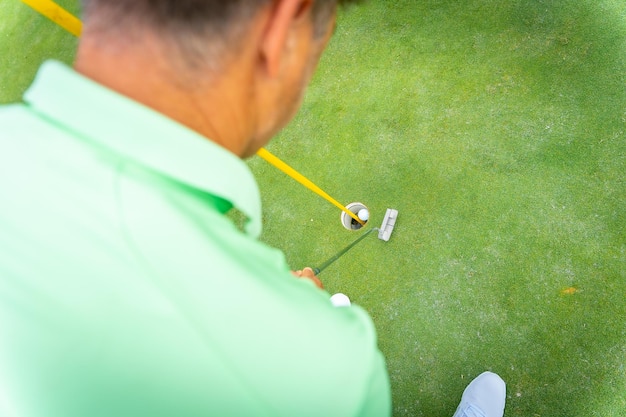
<point>340,300</point>
<point>363,214</point>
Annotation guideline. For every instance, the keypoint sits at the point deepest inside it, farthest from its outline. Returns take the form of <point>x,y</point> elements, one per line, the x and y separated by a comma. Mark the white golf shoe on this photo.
<point>484,397</point>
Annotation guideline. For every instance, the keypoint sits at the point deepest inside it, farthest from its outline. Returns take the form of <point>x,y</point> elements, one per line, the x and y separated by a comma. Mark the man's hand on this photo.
<point>307,273</point>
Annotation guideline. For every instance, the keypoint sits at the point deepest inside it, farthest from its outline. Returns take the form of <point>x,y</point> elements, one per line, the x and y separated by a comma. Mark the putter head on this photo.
<point>384,233</point>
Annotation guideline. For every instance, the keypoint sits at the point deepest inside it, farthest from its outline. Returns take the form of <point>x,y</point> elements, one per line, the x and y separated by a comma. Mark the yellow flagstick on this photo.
<point>57,14</point>
<point>73,25</point>
<point>269,157</point>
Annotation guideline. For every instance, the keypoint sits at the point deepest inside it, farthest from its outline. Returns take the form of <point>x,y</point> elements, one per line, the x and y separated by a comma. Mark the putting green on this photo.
<point>496,128</point>
<point>497,131</point>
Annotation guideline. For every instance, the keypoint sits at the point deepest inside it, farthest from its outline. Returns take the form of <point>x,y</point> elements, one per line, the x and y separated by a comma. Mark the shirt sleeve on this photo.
<point>378,395</point>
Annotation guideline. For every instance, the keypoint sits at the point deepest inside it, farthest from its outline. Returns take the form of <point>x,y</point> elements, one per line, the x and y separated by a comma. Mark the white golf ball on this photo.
<point>363,214</point>
<point>340,300</point>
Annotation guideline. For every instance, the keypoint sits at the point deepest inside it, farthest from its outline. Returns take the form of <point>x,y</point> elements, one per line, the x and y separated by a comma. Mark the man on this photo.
<point>124,290</point>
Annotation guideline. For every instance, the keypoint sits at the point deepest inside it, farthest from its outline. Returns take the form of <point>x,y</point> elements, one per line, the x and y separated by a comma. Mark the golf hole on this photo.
<point>347,221</point>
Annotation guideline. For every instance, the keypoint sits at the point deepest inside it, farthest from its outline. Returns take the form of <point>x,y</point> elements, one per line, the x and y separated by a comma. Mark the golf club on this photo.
<point>384,233</point>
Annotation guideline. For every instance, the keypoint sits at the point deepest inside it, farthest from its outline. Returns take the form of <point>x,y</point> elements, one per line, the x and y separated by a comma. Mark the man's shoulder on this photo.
<point>19,122</point>
<point>13,115</point>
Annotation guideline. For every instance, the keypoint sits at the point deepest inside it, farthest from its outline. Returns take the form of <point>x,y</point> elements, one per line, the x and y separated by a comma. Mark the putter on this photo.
<point>384,233</point>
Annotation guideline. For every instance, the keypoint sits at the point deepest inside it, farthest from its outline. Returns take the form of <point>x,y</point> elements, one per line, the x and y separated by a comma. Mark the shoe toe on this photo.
<point>487,393</point>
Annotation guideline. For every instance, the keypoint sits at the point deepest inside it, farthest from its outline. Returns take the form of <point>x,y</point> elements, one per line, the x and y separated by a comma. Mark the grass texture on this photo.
<point>496,128</point>
<point>26,40</point>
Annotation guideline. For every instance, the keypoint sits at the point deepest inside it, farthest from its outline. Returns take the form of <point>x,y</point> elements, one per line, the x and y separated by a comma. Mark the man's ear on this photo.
<point>283,16</point>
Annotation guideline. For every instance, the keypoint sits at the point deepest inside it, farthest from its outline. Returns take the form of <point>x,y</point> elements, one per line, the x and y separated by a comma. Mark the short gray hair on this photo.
<point>188,24</point>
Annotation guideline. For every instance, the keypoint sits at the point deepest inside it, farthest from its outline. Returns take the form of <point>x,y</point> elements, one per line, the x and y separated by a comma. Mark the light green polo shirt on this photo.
<point>125,290</point>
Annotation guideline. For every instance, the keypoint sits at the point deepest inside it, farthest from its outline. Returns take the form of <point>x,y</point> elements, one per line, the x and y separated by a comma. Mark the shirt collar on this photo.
<point>145,136</point>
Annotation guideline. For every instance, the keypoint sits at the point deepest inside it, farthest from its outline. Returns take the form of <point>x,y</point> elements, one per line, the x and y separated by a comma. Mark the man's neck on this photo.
<point>214,107</point>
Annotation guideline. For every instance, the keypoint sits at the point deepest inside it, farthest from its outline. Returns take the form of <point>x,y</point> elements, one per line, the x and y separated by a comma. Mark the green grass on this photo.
<point>496,128</point>
<point>26,40</point>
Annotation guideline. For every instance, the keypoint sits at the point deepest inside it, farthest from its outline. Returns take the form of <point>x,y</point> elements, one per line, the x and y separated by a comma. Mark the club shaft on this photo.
<point>57,14</point>
<point>341,252</point>
<point>282,166</point>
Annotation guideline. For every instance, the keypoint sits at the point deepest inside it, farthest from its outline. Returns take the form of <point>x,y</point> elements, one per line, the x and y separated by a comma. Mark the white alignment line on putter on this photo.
<point>384,233</point>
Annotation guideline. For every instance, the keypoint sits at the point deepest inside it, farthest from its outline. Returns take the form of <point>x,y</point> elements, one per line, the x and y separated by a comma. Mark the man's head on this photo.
<point>188,24</point>
<point>263,51</point>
